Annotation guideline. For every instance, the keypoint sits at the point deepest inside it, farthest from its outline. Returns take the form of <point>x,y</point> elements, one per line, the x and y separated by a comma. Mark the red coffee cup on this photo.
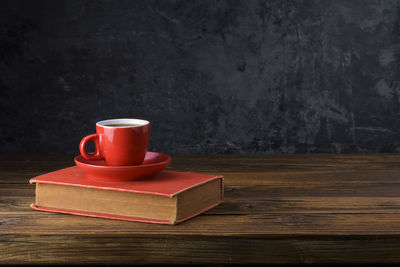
<point>120,142</point>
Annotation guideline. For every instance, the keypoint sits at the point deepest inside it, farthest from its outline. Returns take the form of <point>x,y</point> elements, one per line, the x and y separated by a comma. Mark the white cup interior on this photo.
<point>137,123</point>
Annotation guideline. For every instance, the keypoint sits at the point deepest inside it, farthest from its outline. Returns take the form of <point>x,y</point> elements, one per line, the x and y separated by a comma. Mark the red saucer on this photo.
<point>153,163</point>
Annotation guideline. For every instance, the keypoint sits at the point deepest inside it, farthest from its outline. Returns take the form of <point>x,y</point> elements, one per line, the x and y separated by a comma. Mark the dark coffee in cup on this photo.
<point>121,125</point>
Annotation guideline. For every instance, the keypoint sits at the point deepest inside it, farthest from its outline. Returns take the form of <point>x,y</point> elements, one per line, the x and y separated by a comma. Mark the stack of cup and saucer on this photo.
<point>120,152</point>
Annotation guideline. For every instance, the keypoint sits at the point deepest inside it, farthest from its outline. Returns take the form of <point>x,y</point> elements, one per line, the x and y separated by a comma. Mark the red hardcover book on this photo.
<point>166,198</point>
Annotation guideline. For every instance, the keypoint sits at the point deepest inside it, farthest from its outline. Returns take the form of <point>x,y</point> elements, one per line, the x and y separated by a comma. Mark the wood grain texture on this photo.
<point>277,209</point>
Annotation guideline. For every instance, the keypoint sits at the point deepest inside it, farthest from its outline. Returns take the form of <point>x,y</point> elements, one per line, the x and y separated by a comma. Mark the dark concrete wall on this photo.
<point>211,76</point>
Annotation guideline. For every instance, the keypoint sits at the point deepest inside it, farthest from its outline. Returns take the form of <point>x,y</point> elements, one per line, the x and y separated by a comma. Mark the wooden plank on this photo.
<point>238,225</point>
<point>262,205</point>
<point>19,168</point>
<point>234,162</point>
<point>339,189</point>
<point>29,166</point>
<point>60,249</point>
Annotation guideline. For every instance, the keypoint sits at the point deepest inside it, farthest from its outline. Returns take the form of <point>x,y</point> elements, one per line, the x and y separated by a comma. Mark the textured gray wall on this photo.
<point>211,76</point>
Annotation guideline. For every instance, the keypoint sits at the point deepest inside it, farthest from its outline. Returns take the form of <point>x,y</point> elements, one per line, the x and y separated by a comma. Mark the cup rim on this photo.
<point>104,123</point>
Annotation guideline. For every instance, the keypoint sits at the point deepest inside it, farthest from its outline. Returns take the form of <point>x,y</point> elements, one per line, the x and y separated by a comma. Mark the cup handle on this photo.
<point>97,155</point>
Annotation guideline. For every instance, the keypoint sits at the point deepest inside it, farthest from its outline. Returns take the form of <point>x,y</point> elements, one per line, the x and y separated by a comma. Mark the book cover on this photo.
<point>167,198</point>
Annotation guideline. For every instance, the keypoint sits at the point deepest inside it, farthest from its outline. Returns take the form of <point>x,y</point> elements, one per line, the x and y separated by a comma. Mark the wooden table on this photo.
<point>277,209</point>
